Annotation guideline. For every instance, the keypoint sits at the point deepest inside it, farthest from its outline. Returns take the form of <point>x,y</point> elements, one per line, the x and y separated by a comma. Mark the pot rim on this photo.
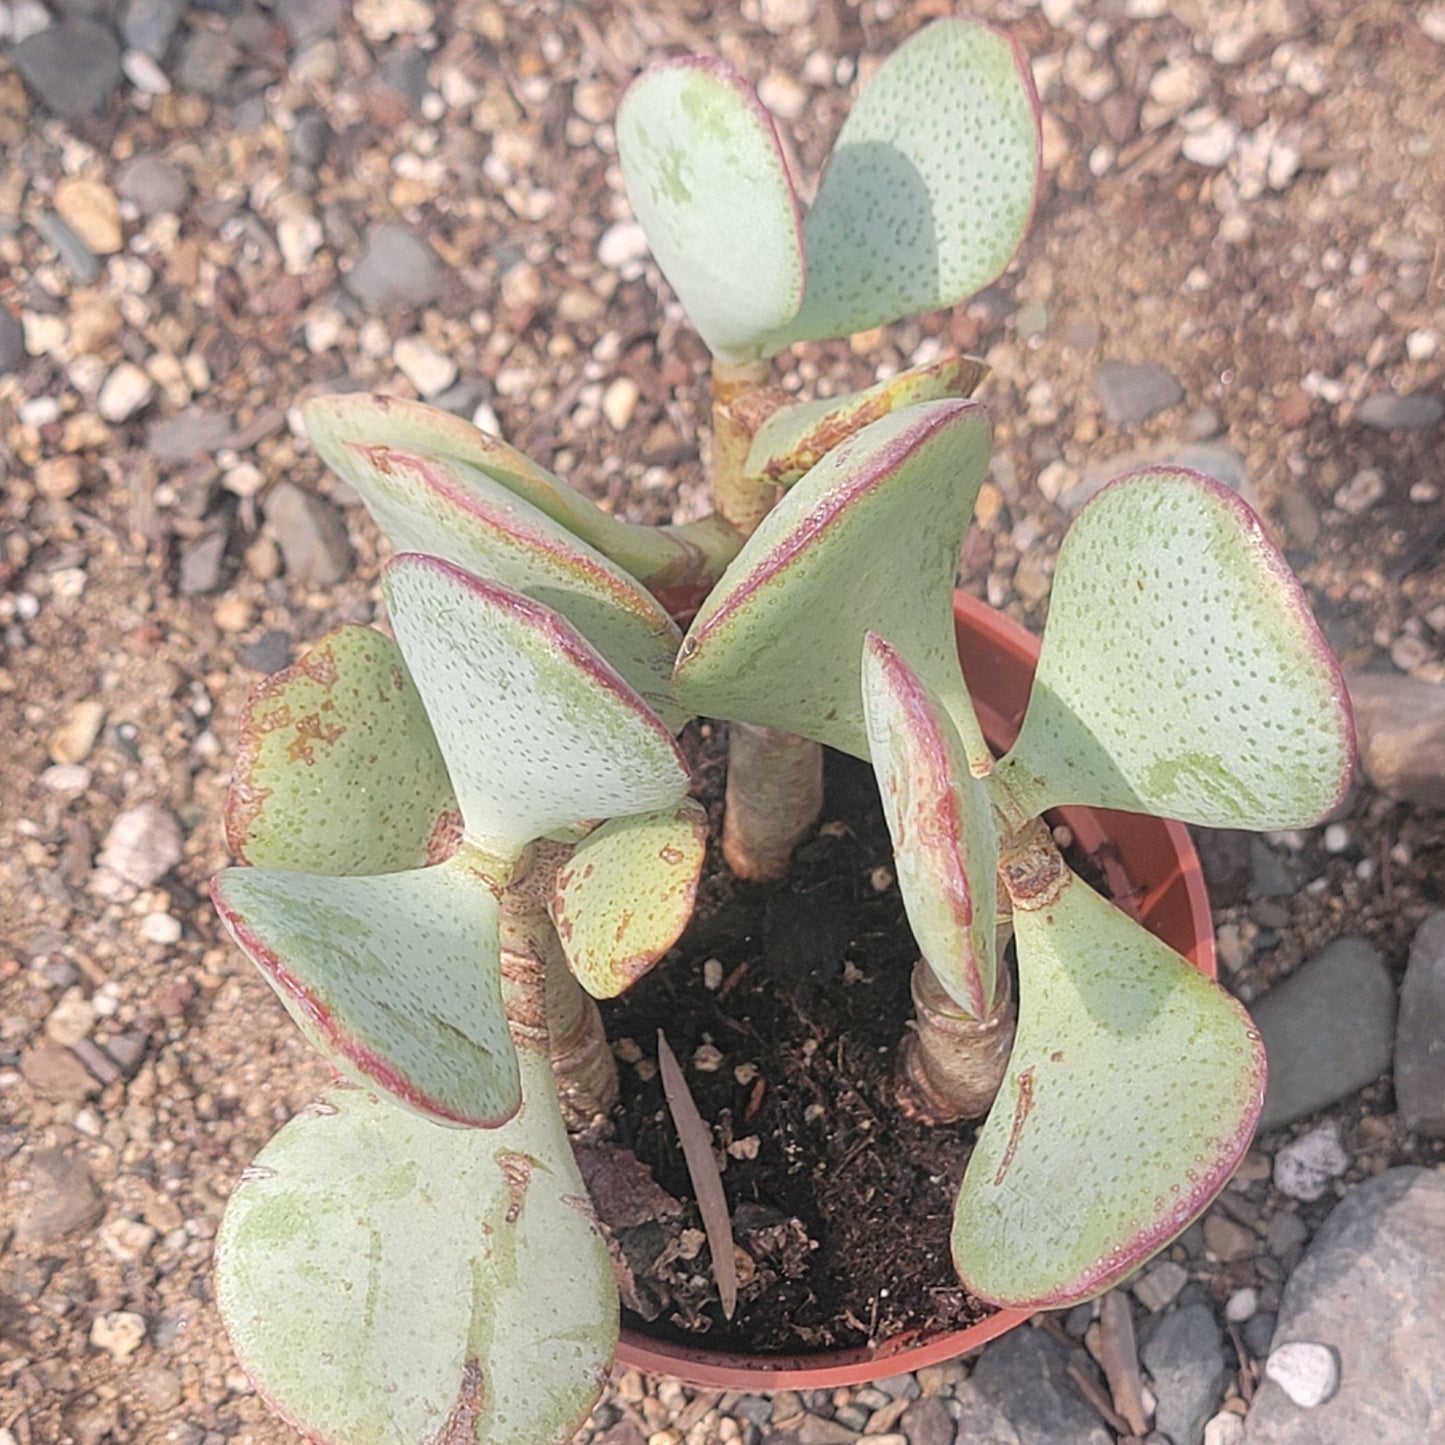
<point>1164,890</point>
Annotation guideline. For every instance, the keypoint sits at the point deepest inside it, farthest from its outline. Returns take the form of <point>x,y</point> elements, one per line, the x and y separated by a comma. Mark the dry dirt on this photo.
<point>1281,291</point>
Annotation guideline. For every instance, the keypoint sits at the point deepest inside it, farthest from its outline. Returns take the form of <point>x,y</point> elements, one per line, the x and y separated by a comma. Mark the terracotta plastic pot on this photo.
<point>1152,871</point>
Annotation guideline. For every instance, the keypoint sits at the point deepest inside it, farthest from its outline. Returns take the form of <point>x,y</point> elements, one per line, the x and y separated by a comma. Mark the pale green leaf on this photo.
<point>708,183</point>
<point>945,844</point>
<point>930,185</point>
<point>794,439</point>
<point>537,730</point>
<point>344,427</point>
<point>395,979</point>
<point>388,1282</point>
<point>1181,672</point>
<point>1132,1094</point>
<point>436,505</point>
<point>337,770</point>
<point>626,893</point>
<point>780,640</point>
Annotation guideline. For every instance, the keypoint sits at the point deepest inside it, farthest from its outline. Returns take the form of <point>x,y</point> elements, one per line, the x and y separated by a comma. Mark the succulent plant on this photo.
<point>457,838</point>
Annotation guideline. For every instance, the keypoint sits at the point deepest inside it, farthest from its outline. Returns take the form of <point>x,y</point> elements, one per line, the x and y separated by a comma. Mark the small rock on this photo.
<point>206,62</point>
<point>200,565</point>
<point>73,67</point>
<point>395,269</point>
<point>927,1422</point>
<point>1258,1333</point>
<point>59,1198</point>
<point>1308,1373</point>
<point>161,1388</point>
<point>127,1240</point>
<point>148,25</point>
<point>781,16</point>
<point>621,244</point>
<point>312,535</point>
<point>423,365</point>
<point>55,1073</point>
<point>1132,392</point>
<point>124,392</point>
<point>1361,492</point>
<point>91,210</point>
<point>73,739</point>
<point>299,239</point>
<point>190,435</point>
<point>1185,1360</point>
<point>1160,1287</point>
<point>1371,1289</point>
<point>1226,1428</point>
<point>1021,1384</point>
<point>154,186</point>
<point>1387,412</point>
<point>12,342</point>
<point>1227,1240</point>
<point>120,1333</point>
<point>1213,146</point>
<point>143,845</point>
<point>1420,1038</point>
<point>162,928</point>
<point>269,653</point>
<point>1327,1030</point>
<point>382,20</point>
<point>75,255</point>
<point>71,1019</point>
<point>1303,1168</point>
<point>619,402</point>
<point>58,478</point>
<point>1400,722</point>
<point>144,73</point>
<point>308,20</point>
<point>1241,1305</point>
<point>817,1430</point>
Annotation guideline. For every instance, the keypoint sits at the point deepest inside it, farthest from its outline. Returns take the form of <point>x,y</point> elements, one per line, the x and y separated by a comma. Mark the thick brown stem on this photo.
<point>582,1062</point>
<point>774,796</point>
<point>950,1065</point>
<point>741,401</point>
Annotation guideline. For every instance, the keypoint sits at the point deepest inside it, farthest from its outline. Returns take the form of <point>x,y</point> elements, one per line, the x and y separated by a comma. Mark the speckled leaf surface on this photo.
<point>780,640</point>
<point>1181,672</point>
<point>623,898</point>
<point>435,505</point>
<point>343,427</point>
<point>388,1282</point>
<point>395,979</point>
<point>930,185</point>
<point>796,438</point>
<point>709,185</point>
<point>1132,1093</point>
<point>945,844</point>
<point>537,730</point>
<point>337,770</point>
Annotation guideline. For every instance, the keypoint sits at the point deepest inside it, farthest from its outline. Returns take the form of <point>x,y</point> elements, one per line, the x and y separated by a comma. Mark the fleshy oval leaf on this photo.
<point>945,843</point>
<point>342,427</point>
<point>388,1282</point>
<point>439,506</point>
<point>1132,1094</point>
<point>794,439</point>
<point>337,771</point>
<point>395,979</point>
<point>780,640</point>
<point>537,730</point>
<point>930,185</point>
<point>623,898</point>
<point>1181,672</point>
<point>710,188</point>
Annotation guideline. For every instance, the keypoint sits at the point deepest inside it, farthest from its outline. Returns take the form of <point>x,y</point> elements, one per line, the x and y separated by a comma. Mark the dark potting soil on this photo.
<point>784,1003</point>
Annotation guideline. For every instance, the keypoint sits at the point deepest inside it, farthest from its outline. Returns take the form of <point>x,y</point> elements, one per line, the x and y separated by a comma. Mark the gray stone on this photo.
<point>185,437</point>
<point>1270,875</point>
<point>59,1198</point>
<point>927,1422</point>
<point>1420,1038</point>
<point>311,534</point>
<point>269,653</point>
<point>1327,1030</point>
<point>1023,1377</point>
<point>199,571</point>
<point>207,61</point>
<point>1258,1333</point>
<point>311,139</point>
<point>1305,1166</point>
<point>1371,1288</point>
<point>152,185</point>
<point>819,1430</point>
<point>1133,391</point>
<point>396,269</point>
<point>1215,459</point>
<point>148,25</point>
<point>405,73</point>
<point>73,68</point>
<point>1285,1234</point>
<point>12,342</point>
<point>1185,1360</point>
<point>1387,412</point>
<point>75,255</point>
<point>1161,1285</point>
<point>1400,722</point>
<point>308,20</point>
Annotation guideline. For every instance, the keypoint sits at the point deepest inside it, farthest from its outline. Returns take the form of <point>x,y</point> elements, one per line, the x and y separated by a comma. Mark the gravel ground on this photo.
<point>209,211</point>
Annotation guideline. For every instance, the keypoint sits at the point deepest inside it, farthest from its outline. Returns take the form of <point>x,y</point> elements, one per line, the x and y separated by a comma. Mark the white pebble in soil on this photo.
<point>1307,1372</point>
<point>1303,1169</point>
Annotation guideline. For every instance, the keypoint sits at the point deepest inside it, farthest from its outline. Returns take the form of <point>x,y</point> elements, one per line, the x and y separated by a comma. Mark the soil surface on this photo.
<point>1249,196</point>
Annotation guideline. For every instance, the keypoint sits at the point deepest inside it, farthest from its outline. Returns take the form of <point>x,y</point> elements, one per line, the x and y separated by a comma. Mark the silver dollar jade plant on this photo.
<point>458,835</point>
